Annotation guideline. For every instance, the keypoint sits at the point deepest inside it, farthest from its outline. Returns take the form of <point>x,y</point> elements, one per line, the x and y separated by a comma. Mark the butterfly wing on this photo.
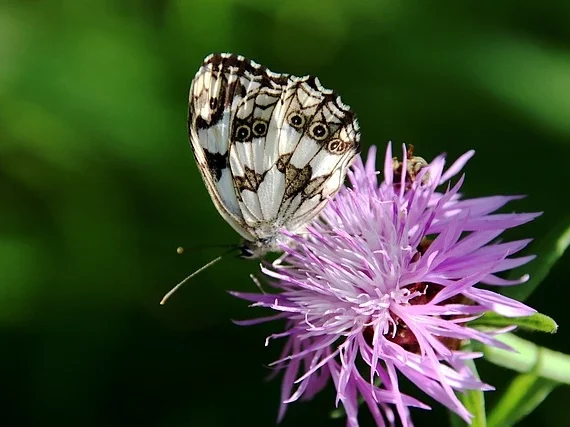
<point>219,86</point>
<point>271,148</point>
<point>327,138</point>
<point>290,147</point>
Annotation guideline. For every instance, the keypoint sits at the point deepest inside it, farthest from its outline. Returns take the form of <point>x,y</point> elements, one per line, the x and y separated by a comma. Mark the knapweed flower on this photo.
<point>383,284</point>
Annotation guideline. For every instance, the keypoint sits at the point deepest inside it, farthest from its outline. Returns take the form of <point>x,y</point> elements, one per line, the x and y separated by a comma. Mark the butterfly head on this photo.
<point>247,252</point>
<point>255,249</point>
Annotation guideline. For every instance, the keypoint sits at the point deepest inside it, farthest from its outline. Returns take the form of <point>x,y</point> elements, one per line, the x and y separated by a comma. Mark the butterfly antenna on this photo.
<point>181,250</point>
<point>174,289</point>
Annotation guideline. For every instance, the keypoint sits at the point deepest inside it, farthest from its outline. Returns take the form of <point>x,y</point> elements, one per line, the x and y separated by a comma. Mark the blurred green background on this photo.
<point>98,185</point>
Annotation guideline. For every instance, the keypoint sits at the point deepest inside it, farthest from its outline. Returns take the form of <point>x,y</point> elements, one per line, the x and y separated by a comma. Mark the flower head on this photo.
<point>383,284</point>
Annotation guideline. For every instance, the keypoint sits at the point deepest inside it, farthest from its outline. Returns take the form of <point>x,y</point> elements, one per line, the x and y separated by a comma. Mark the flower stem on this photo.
<point>529,358</point>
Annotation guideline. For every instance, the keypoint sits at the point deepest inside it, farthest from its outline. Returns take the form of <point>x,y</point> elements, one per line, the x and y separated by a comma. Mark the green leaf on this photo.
<point>550,247</point>
<point>528,358</point>
<point>524,394</point>
<point>474,401</point>
<point>535,323</point>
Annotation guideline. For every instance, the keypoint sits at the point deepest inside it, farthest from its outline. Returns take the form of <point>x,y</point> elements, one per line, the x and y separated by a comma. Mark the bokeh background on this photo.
<point>98,186</point>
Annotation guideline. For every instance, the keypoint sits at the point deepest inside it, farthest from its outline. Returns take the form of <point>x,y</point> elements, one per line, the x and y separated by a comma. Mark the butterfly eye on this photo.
<point>246,253</point>
<point>259,128</point>
<point>296,120</point>
<point>243,133</point>
<point>213,103</point>
<point>319,131</point>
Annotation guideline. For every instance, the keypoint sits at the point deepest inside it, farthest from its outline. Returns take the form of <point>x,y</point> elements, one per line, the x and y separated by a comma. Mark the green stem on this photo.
<point>529,358</point>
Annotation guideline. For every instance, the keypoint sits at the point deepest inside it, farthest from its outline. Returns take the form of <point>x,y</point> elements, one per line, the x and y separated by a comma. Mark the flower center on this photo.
<point>400,333</point>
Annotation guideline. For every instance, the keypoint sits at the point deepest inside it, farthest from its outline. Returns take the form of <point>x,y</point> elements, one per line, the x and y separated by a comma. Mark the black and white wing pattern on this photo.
<point>271,148</point>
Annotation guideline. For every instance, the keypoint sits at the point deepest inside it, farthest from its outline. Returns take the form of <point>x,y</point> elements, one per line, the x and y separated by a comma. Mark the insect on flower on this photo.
<point>272,148</point>
<point>383,285</point>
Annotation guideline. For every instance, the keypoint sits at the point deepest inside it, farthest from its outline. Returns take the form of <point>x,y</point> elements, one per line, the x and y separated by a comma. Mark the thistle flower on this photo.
<point>383,284</point>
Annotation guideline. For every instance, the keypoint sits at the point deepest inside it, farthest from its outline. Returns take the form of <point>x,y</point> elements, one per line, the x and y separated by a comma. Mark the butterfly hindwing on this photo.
<point>318,139</point>
<point>251,155</point>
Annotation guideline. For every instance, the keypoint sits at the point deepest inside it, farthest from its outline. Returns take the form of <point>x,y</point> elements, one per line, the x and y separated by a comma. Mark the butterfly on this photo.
<point>271,148</point>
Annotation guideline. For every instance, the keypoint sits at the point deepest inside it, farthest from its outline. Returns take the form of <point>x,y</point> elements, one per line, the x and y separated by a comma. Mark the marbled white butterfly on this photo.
<point>271,148</point>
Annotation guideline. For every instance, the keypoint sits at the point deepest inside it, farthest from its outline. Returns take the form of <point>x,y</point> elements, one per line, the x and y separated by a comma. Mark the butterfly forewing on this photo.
<point>272,148</point>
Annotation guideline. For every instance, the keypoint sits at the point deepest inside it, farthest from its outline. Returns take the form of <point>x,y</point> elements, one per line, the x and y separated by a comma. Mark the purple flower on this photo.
<point>382,285</point>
